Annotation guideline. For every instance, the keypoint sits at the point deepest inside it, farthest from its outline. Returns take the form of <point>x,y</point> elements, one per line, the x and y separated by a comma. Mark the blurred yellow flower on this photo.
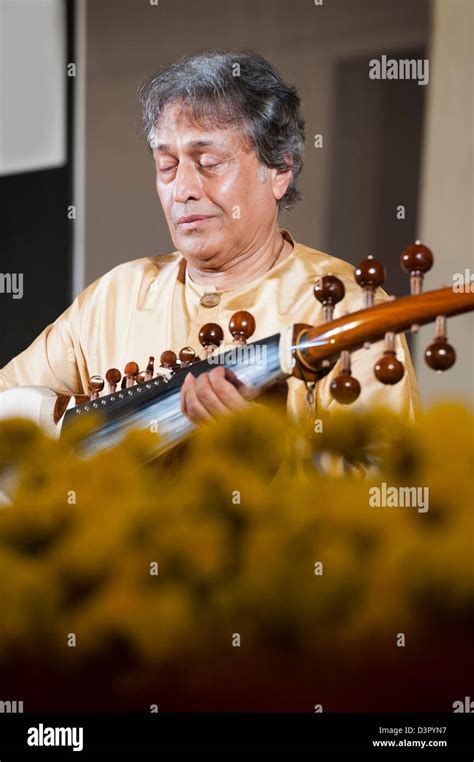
<point>243,533</point>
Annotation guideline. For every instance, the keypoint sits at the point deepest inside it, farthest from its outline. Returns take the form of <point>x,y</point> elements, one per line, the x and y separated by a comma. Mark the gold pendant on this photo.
<point>211,299</point>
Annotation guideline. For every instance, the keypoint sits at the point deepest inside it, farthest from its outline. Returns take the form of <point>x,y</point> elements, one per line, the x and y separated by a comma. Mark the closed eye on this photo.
<point>201,165</point>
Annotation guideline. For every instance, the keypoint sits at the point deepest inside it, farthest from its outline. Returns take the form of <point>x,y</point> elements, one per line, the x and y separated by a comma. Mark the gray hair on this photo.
<point>239,88</point>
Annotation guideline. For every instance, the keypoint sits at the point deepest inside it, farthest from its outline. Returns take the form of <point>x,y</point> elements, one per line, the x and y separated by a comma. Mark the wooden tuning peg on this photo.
<point>241,326</point>
<point>168,359</point>
<point>345,388</point>
<point>150,369</point>
<point>369,274</point>
<point>417,259</point>
<point>440,355</point>
<point>389,370</point>
<point>80,398</point>
<point>187,356</point>
<point>329,290</point>
<point>96,384</point>
<point>112,377</point>
<point>210,337</point>
<point>130,372</point>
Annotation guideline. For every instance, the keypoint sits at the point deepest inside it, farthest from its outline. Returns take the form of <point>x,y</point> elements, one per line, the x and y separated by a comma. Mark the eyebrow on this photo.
<point>193,144</point>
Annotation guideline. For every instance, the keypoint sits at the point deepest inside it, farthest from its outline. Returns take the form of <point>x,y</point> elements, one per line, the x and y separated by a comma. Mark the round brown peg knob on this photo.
<point>187,356</point>
<point>417,259</point>
<point>345,388</point>
<point>130,372</point>
<point>389,370</point>
<point>329,290</point>
<point>440,355</point>
<point>112,377</point>
<point>369,274</point>
<point>210,337</point>
<point>241,326</point>
<point>150,369</point>
<point>168,359</point>
<point>96,384</point>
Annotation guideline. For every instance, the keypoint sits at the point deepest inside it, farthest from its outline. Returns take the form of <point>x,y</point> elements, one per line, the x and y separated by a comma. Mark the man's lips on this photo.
<point>194,218</point>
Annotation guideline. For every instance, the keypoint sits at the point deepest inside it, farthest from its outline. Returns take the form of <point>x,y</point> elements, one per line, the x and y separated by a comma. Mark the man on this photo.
<point>227,138</point>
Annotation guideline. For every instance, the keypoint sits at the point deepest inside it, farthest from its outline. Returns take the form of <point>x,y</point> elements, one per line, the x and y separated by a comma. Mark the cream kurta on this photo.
<point>146,306</point>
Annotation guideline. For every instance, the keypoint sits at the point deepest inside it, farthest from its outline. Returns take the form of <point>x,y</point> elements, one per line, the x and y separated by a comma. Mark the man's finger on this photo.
<point>225,389</point>
<point>190,404</point>
<point>208,396</point>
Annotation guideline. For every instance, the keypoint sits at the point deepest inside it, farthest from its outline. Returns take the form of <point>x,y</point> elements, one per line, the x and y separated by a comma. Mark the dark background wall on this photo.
<point>35,232</point>
<point>35,239</point>
<point>375,166</point>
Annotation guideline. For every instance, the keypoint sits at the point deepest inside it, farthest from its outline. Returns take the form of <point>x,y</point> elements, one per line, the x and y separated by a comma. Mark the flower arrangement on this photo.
<point>243,574</point>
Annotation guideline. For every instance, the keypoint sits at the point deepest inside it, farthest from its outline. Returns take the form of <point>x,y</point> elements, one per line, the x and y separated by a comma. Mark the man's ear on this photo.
<point>281,179</point>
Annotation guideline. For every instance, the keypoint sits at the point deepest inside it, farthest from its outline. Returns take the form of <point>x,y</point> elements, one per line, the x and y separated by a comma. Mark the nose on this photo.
<point>186,183</point>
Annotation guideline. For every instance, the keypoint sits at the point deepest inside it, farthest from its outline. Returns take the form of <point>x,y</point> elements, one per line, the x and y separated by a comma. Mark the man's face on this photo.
<point>215,177</point>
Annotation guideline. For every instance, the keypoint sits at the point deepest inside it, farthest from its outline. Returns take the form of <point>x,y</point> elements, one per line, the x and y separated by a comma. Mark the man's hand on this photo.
<point>218,391</point>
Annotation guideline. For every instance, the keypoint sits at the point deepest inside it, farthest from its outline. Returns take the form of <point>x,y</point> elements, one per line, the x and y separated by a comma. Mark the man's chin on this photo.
<point>197,246</point>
